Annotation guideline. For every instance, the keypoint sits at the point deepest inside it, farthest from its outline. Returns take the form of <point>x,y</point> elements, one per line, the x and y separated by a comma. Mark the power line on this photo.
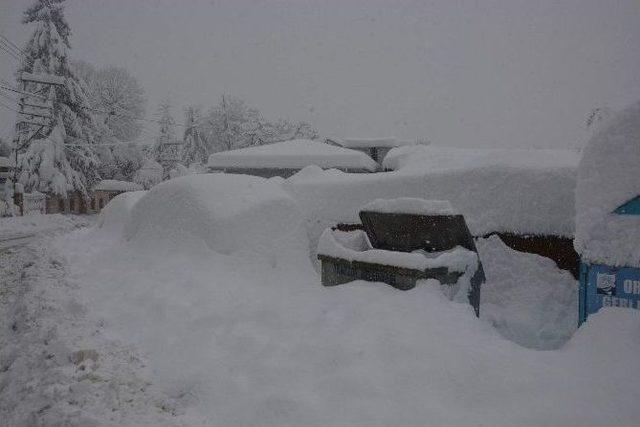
<point>22,92</point>
<point>9,108</point>
<point>8,97</point>
<point>10,52</point>
<point>13,45</point>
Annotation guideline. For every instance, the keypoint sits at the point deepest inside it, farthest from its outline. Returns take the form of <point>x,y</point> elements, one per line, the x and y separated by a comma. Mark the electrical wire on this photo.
<point>13,45</point>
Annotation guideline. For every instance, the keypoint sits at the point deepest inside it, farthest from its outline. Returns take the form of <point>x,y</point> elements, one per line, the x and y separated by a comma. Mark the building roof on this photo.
<point>115,185</point>
<point>371,142</point>
<point>5,162</point>
<point>295,154</point>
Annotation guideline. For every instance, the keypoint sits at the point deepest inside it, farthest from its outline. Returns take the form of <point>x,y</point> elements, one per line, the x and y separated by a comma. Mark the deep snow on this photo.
<point>250,337</point>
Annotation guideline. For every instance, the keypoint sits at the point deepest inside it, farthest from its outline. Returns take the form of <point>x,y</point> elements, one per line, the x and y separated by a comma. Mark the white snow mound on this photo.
<point>226,213</point>
<point>114,216</point>
<point>609,176</point>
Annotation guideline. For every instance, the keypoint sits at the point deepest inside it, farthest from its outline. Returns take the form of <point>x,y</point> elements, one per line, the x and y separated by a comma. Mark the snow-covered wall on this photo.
<point>609,176</point>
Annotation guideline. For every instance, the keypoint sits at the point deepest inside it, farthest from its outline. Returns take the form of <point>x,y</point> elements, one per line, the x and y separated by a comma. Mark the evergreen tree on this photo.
<point>194,147</point>
<point>69,151</point>
<point>165,149</point>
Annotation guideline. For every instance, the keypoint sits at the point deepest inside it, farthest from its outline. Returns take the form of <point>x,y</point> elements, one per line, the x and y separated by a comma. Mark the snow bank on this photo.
<point>115,185</point>
<point>609,176</point>
<point>294,154</point>
<point>410,205</point>
<point>226,213</point>
<point>526,297</point>
<point>114,216</point>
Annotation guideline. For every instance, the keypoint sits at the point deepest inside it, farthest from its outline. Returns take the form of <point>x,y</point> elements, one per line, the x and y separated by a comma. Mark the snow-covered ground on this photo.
<point>193,330</point>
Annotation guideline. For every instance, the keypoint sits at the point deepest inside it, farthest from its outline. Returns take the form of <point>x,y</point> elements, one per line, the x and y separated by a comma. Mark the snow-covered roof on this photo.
<point>115,185</point>
<point>5,162</point>
<point>371,142</point>
<point>434,158</point>
<point>608,177</point>
<point>295,154</point>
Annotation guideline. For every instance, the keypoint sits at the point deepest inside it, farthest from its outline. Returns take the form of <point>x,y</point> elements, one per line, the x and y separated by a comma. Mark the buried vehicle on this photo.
<point>402,241</point>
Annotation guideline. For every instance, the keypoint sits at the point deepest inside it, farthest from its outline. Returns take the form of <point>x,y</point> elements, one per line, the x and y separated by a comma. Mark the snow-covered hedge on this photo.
<point>226,213</point>
<point>609,176</point>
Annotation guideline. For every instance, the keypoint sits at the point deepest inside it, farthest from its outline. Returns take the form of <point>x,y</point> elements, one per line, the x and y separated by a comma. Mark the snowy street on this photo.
<point>57,367</point>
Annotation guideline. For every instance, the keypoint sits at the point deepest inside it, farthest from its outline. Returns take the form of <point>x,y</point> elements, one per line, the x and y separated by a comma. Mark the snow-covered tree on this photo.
<point>149,174</point>
<point>233,124</point>
<point>166,149</point>
<point>120,97</point>
<point>230,124</point>
<point>65,161</point>
<point>194,149</point>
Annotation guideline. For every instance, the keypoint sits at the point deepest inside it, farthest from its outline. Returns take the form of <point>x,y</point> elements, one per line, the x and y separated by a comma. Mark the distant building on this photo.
<point>107,189</point>
<point>376,148</point>
<point>288,157</point>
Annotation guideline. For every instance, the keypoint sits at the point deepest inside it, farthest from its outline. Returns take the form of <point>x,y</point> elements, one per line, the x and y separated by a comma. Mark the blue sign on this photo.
<point>605,286</point>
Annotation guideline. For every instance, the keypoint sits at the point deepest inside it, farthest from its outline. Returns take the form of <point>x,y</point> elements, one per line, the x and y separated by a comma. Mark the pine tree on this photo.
<point>69,150</point>
<point>194,147</point>
<point>166,147</point>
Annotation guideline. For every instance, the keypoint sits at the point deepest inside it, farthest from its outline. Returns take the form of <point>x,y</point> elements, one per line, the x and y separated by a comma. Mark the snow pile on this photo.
<point>295,154</point>
<point>409,205</point>
<point>114,216</point>
<point>526,297</point>
<point>609,176</point>
<point>225,213</point>
<point>353,248</point>
<point>115,185</point>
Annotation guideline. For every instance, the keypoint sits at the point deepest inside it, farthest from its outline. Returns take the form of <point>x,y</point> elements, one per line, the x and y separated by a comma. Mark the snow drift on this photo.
<point>226,213</point>
<point>609,176</point>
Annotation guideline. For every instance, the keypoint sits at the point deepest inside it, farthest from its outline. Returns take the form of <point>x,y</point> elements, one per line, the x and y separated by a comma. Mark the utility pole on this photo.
<point>35,111</point>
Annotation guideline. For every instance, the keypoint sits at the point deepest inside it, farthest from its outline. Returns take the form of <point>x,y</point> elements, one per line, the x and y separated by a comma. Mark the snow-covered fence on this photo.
<point>34,203</point>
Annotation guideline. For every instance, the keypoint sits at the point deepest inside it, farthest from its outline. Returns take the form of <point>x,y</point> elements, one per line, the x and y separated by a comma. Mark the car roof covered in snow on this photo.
<point>115,185</point>
<point>294,154</point>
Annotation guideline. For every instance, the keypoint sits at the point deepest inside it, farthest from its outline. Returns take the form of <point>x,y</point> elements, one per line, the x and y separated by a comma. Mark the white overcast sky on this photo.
<point>467,73</point>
